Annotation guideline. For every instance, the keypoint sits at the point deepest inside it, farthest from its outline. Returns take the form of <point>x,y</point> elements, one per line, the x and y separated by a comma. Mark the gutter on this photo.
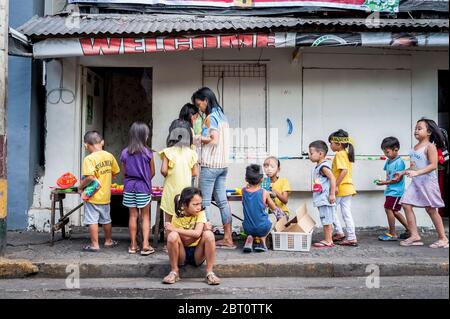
<point>19,44</point>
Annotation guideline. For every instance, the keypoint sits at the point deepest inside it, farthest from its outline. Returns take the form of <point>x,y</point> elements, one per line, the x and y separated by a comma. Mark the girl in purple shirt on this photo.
<point>138,168</point>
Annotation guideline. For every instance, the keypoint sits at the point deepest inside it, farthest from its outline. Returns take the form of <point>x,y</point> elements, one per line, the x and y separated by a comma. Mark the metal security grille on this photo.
<point>234,70</point>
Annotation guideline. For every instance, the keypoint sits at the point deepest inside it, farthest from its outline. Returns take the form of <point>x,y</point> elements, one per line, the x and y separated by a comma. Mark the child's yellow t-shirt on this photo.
<point>181,161</point>
<point>281,185</point>
<point>340,162</point>
<point>102,165</point>
<point>189,223</point>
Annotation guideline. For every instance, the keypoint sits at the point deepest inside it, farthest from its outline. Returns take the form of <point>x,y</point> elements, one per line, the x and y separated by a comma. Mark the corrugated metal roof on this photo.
<point>138,24</point>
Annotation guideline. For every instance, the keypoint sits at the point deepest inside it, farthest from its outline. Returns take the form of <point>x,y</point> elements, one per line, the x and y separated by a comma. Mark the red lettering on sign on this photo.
<point>265,40</point>
<point>236,41</point>
<point>183,44</point>
<point>97,46</point>
<point>211,42</point>
<point>197,43</point>
<point>169,44</point>
<point>132,45</point>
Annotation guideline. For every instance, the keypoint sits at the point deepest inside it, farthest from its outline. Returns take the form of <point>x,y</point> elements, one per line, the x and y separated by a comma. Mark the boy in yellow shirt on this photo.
<point>102,166</point>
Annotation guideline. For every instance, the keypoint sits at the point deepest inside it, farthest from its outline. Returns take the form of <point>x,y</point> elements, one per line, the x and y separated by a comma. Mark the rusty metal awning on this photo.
<point>75,25</point>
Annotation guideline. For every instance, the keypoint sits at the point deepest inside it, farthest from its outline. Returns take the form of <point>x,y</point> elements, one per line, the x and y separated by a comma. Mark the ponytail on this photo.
<point>178,209</point>
<point>182,200</point>
<point>350,152</point>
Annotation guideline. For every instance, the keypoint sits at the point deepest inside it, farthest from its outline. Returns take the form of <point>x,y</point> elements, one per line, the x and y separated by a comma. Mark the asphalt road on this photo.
<point>231,288</point>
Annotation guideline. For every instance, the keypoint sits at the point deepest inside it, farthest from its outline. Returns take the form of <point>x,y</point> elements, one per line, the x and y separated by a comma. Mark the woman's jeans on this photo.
<point>213,181</point>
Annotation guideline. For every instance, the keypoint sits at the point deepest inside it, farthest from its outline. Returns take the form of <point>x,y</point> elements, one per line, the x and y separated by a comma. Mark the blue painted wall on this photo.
<point>24,121</point>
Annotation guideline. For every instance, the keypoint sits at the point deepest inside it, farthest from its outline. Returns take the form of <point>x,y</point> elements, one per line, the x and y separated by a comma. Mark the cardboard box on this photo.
<point>302,222</point>
<point>280,225</point>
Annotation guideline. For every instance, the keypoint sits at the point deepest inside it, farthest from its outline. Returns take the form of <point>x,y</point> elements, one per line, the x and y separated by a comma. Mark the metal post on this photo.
<point>3,95</point>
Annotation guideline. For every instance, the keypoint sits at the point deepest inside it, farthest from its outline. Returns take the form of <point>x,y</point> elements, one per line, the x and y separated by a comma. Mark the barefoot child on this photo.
<point>324,191</point>
<point>102,166</point>
<point>395,182</point>
<point>342,168</point>
<point>190,240</point>
<point>424,188</point>
<point>255,200</point>
<point>138,168</point>
<point>280,187</point>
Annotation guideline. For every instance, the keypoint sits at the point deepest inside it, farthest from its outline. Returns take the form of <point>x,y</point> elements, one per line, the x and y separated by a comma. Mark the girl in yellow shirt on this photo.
<point>179,165</point>
<point>190,240</point>
<point>280,187</point>
<point>342,145</point>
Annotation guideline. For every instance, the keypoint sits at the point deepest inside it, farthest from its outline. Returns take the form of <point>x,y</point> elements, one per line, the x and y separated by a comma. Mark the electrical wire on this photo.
<point>61,90</point>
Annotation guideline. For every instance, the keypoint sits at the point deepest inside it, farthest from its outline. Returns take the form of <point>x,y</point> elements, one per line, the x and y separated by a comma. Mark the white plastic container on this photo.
<point>291,241</point>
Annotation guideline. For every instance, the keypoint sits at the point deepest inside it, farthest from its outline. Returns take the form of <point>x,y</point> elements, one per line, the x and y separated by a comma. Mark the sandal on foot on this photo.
<point>404,235</point>
<point>212,279</point>
<point>221,246</point>
<point>410,242</point>
<point>147,251</point>
<point>338,237</point>
<point>323,244</point>
<point>90,249</point>
<point>133,250</point>
<point>387,237</point>
<point>113,244</point>
<point>346,242</point>
<point>171,278</point>
<point>439,244</point>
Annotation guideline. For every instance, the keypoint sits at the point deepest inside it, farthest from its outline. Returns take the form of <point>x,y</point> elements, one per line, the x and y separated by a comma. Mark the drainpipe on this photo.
<point>3,86</point>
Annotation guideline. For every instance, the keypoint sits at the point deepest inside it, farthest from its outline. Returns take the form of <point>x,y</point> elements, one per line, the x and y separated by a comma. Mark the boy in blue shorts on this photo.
<point>395,182</point>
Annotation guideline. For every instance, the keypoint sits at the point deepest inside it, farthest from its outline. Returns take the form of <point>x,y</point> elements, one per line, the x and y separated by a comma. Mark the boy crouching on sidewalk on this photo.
<point>102,166</point>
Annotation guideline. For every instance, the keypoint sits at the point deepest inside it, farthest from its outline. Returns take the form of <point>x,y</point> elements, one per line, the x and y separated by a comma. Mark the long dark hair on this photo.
<point>180,134</point>
<point>138,136</point>
<point>436,136</point>
<point>182,201</point>
<point>187,112</point>
<point>348,146</point>
<point>206,93</point>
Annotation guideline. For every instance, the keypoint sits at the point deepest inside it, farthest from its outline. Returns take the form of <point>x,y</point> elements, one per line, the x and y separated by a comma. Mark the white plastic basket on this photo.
<point>291,241</point>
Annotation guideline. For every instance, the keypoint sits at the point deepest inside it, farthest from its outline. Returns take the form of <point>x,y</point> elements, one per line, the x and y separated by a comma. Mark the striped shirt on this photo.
<point>217,155</point>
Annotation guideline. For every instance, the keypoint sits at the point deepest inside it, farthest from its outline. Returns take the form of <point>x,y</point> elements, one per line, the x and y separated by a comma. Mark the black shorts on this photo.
<point>190,257</point>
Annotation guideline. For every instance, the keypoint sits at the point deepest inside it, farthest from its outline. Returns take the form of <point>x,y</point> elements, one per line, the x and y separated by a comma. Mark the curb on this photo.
<point>15,268</point>
<point>61,270</point>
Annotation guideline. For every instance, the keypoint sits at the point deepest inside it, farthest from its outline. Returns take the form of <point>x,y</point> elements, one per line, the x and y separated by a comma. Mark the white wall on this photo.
<point>177,75</point>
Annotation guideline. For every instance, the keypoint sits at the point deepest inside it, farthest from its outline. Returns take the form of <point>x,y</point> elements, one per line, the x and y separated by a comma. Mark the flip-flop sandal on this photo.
<point>337,238</point>
<point>439,244</point>
<point>226,247</point>
<point>212,279</point>
<point>387,237</point>
<point>133,251</point>
<point>147,251</point>
<point>348,243</point>
<point>171,278</point>
<point>408,243</point>
<point>114,244</point>
<point>323,244</point>
<point>90,249</point>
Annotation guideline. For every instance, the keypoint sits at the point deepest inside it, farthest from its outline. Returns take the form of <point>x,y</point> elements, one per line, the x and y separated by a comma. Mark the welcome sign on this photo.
<point>101,46</point>
<point>364,5</point>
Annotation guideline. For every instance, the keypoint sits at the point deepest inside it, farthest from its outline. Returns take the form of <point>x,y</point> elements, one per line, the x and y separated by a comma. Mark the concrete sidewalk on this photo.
<point>392,259</point>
